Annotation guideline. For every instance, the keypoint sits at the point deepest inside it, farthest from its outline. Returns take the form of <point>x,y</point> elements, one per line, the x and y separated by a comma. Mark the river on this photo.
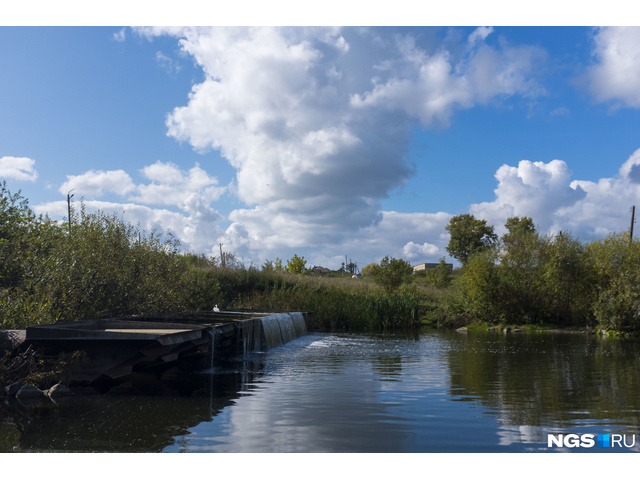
<point>429,392</point>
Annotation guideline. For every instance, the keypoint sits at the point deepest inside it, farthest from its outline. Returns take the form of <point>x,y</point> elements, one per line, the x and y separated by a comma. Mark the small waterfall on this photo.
<point>286,328</point>
<point>282,328</point>
<point>299,325</point>
<point>248,342</point>
<point>272,332</point>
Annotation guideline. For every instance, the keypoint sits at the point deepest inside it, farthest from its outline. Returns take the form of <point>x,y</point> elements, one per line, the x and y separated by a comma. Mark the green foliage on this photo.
<point>529,279</point>
<point>518,227</point>
<point>105,267</point>
<point>615,263</point>
<point>108,268</point>
<point>565,280</point>
<point>338,304</point>
<point>439,277</point>
<point>468,236</point>
<point>296,265</point>
<point>369,270</point>
<point>390,273</point>
<point>481,286</point>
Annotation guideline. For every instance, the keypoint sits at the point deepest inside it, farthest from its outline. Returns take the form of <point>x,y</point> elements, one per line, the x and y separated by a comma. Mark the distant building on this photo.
<point>319,270</point>
<point>430,266</point>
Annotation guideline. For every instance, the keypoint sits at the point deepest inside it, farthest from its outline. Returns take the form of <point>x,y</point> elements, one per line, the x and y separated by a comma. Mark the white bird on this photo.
<point>216,309</point>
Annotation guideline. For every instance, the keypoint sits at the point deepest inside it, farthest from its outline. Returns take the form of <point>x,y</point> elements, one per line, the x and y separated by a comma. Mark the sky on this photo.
<point>325,142</point>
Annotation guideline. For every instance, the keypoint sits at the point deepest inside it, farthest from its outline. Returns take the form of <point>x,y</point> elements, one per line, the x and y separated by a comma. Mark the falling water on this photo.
<point>282,328</point>
<point>272,332</point>
<point>299,325</point>
<point>248,343</point>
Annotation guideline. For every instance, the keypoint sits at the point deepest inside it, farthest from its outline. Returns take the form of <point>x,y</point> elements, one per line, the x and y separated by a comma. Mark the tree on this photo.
<point>615,263</point>
<point>271,266</point>
<point>517,225</point>
<point>296,264</point>
<point>468,237</point>
<point>277,265</point>
<point>518,230</point>
<point>439,277</point>
<point>391,273</point>
<point>370,270</point>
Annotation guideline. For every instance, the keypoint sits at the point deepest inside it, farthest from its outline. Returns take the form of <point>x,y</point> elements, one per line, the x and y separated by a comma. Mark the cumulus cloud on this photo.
<point>170,198</point>
<point>172,186</point>
<point>98,182</point>
<point>317,121</point>
<point>547,193</point>
<point>606,206</point>
<point>615,75</point>
<point>18,168</point>
<point>532,189</point>
<point>435,85</point>
<point>413,250</point>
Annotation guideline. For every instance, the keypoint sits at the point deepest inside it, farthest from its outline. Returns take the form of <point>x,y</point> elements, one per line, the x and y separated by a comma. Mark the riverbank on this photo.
<point>524,328</point>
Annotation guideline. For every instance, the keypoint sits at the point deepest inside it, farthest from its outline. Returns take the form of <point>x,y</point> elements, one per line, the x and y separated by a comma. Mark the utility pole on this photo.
<point>69,197</point>
<point>633,219</point>
<point>221,257</point>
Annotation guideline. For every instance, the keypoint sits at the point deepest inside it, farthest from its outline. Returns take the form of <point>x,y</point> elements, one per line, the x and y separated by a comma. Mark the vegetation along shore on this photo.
<point>98,266</point>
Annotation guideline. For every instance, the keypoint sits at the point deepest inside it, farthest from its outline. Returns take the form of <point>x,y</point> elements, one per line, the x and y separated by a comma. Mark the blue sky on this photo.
<point>325,142</point>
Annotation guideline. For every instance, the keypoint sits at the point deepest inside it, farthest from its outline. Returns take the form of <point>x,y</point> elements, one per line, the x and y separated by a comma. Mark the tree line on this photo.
<point>98,266</point>
<point>525,277</point>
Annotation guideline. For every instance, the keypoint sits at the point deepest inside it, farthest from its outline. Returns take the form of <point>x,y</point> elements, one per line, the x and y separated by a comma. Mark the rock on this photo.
<point>2,392</point>
<point>12,389</point>
<point>493,329</point>
<point>29,391</point>
<point>59,390</point>
<point>462,330</point>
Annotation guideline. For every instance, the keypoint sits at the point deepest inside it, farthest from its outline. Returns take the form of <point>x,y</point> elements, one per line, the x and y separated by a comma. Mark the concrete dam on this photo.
<point>118,347</point>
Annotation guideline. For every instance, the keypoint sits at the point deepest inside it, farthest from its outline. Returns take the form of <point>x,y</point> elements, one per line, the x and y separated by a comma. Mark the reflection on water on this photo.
<point>428,392</point>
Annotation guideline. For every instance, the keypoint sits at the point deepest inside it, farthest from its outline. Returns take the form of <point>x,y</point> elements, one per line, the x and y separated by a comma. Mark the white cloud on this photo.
<point>546,193</point>
<point>317,121</point>
<point>413,250</point>
<point>191,192</point>
<point>532,189</point>
<point>435,85</point>
<point>616,74</point>
<point>18,168</point>
<point>98,182</point>
<point>171,186</point>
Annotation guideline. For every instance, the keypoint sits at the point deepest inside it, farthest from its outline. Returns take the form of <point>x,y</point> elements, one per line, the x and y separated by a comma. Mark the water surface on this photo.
<point>425,392</point>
